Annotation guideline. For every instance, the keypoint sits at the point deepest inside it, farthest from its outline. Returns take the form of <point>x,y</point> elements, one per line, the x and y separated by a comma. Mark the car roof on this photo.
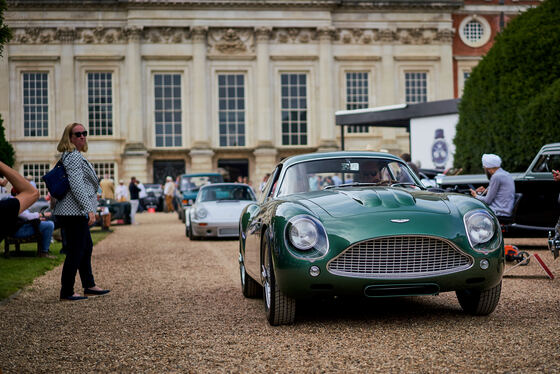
<point>323,155</point>
<point>200,174</point>
<point>225,184</point>
<point>550,147</point>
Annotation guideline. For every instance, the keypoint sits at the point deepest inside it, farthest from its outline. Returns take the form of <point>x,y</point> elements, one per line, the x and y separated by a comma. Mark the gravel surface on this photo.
<point>176,306</point>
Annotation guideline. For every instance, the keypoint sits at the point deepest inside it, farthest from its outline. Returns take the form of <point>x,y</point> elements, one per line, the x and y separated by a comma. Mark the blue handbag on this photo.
<point>56,181</point>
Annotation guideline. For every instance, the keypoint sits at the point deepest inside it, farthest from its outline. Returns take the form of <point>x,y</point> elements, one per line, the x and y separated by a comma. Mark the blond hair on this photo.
<point>65,145</point>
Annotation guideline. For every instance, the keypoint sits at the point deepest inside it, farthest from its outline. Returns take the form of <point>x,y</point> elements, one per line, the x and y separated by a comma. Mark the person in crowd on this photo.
<point>121,192</point>
<point>11,208</point>
<point>264,181</point>
<point>556,176</point>
<point>406,158</point>
<point>141,195</point>
<point>169,192</point>
<point>500,194</point>
<point>134,199</point>
<point>75,212</point>
<point>107,187</point>
<point>29,223</point>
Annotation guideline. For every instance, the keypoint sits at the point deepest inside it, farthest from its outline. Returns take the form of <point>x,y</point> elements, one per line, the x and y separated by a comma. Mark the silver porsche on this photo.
<point>216,210</point>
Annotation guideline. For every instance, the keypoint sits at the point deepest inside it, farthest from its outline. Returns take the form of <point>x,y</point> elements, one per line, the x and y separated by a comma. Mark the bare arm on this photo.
<point>27,194</point>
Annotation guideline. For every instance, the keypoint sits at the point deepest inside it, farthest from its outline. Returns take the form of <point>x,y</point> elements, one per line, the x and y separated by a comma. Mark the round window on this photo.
<point>474,31</point>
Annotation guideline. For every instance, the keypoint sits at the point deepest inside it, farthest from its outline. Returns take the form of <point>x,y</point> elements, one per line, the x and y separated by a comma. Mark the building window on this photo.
<point>100,103</point>
<point>357,96</point>
<point>231,109</point>
<point>294,109</point>
<point>35,104</point>
<point>104,168</point>
<point>168,110</point>
<point>474,31</point>
<point>36,171</point>
<point>416,90</point>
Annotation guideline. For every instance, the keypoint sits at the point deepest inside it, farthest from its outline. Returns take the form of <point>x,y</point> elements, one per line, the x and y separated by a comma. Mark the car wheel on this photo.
<point>187,231</point>
<point>480,302</point>
<point>280,309</point>
<point>249,287</point>
<point>191,235</point>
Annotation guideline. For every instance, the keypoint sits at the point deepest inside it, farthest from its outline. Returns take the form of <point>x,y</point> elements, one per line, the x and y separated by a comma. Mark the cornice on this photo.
<point>186,4</point>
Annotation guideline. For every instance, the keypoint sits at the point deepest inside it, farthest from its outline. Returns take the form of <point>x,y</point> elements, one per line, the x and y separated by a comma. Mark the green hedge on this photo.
<point>510,102</point>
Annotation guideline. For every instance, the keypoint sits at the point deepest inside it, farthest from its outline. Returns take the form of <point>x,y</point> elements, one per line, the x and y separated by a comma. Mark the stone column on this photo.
<point>265,153</point>
<point>325,115</point>
<point>135,153</point>
<point>388,76</point>
<point>444,89</point>
<point>67,35</point>
<point>201,153</point>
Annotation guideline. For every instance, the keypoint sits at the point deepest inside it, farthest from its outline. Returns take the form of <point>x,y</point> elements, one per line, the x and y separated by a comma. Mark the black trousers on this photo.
<point>78,253</point>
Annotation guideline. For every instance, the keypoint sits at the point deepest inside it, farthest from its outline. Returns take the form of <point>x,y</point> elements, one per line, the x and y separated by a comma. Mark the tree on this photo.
<point>6,149</point>
<point>510,105</point>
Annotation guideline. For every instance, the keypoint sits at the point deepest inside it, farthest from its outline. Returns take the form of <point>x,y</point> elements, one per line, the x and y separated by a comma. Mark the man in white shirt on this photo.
<point>169,192</point>
<point>28,227</point>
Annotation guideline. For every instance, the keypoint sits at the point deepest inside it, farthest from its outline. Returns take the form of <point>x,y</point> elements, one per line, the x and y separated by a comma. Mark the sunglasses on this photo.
<point>78,134</point>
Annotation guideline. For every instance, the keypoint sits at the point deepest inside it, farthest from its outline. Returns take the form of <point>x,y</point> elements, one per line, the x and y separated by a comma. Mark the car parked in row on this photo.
<point>217,209</point>
<point>361,224</point>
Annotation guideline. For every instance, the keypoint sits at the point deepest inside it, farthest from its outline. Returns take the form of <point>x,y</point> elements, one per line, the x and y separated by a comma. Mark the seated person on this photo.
<point>27,228</point>
<point>372,171</point>
<point>500,194</point>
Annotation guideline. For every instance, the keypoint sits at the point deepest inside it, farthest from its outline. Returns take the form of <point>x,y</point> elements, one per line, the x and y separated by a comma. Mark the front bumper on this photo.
<point>215,229</point>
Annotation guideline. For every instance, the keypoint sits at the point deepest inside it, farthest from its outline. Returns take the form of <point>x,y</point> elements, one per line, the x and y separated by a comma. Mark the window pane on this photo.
<point>231,109</point>
<point>294,109</point>
<point>168,113</point>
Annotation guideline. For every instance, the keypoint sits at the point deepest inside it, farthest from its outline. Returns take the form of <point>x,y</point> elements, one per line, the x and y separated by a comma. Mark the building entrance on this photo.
<point>235,168</point>
<point>164,168</point>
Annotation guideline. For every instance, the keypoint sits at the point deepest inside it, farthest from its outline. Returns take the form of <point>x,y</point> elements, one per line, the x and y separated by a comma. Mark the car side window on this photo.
<point>270,187</point>
<point>546,163</point>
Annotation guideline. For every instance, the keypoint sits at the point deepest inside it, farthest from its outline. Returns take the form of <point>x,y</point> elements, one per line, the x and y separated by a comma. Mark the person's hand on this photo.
<point>480,190</point>
<point>3,182</point>
<point>473,192</point>
<point>91,218</point>
<point>556,175</point>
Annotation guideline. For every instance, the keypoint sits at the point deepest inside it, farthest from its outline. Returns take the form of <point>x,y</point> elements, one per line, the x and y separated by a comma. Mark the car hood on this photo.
<point>225,210</point>
<point>357,201</point>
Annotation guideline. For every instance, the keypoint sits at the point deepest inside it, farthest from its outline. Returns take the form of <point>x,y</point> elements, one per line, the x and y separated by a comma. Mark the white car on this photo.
<point>216,210</point>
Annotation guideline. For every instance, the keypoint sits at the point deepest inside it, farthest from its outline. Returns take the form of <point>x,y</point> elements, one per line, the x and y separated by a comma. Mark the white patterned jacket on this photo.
<point>82,195</point>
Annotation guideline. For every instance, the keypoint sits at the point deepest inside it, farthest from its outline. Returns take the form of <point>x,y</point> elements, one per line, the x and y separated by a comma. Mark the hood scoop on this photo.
<point>381,197</point>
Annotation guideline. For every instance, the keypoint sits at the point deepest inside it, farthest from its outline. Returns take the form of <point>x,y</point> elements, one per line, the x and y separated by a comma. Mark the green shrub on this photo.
<point>509,106</point>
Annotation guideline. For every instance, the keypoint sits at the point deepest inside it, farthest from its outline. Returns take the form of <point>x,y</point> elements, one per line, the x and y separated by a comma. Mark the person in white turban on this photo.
<point>500,194</point>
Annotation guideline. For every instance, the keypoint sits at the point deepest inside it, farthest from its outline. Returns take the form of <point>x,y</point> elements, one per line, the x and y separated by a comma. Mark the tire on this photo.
<point>249,287</point>
<point>191,235</point>
<point>524,256</point>
<point>187,231</point>
<point>280,309</point>
<point>480,302</point>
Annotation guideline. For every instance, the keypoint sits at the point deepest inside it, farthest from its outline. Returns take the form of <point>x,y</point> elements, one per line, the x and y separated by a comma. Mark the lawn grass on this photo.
<point>19,271</point>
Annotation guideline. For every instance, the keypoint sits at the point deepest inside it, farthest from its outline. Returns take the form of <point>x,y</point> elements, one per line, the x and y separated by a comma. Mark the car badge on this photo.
<point>402,220</point>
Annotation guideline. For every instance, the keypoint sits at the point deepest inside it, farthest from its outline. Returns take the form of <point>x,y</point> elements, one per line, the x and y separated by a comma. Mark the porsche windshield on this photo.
<point>315,175</point>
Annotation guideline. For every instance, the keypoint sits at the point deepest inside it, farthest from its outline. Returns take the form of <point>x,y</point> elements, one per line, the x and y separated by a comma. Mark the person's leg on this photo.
<point>76,229</point>
<point>24,231</point>
<point>46,229</point>
<point>86,273</point>
<point>133,209</point>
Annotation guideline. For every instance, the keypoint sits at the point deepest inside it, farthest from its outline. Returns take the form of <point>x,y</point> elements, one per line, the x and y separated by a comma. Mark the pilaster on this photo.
<point>201,133</point>
<point>327,135</point>
<point>264,125</point>
<point>134,107</point>
<point>67,36</point>
<point>265,161</point>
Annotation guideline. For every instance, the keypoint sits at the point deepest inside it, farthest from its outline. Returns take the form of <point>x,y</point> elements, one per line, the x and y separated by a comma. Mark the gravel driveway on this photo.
<point>176,306</point>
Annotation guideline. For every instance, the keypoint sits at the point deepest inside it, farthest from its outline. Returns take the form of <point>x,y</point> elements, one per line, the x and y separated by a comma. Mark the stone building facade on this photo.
<point>165,87</point>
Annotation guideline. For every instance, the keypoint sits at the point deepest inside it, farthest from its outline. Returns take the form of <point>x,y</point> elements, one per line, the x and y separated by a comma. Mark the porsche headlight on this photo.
<point>200,213</point>
<point>303,234</point>
<point>480,227</point>
<point>307,234</point>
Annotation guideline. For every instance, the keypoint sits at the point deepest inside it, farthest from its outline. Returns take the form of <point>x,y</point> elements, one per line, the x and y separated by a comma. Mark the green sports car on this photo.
<point>362,224</point>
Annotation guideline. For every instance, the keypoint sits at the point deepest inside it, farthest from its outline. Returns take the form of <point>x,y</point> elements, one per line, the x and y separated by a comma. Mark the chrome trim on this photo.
<point>394,260</point>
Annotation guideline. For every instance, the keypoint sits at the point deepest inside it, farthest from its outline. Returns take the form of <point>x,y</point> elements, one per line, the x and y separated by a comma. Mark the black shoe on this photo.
<point>72,298</point>
<point>87,291</point>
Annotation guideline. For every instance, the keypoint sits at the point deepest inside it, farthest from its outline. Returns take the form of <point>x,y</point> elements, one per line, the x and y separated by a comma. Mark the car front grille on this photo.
<point>400,257</point>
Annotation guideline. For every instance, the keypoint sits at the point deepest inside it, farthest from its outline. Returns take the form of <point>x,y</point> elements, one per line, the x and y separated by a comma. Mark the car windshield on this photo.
<point>344,172</point>
<point>226,193</point>
<point>193,183</point>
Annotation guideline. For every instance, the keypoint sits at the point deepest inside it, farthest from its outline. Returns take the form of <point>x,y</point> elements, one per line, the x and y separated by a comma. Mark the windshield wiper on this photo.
<point>355,184</point>
<point>405,184</point>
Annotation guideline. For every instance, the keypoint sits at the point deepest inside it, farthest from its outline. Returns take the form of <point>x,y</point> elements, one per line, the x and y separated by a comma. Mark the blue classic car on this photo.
<point>362,224</point>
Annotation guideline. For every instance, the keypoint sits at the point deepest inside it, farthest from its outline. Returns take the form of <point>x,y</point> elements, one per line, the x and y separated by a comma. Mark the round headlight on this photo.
<point>303,234</point>
<point>200,213</point>
<point>480,227</point>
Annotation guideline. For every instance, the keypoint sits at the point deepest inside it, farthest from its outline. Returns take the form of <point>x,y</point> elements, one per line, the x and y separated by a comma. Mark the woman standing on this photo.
<point>76,212</point>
